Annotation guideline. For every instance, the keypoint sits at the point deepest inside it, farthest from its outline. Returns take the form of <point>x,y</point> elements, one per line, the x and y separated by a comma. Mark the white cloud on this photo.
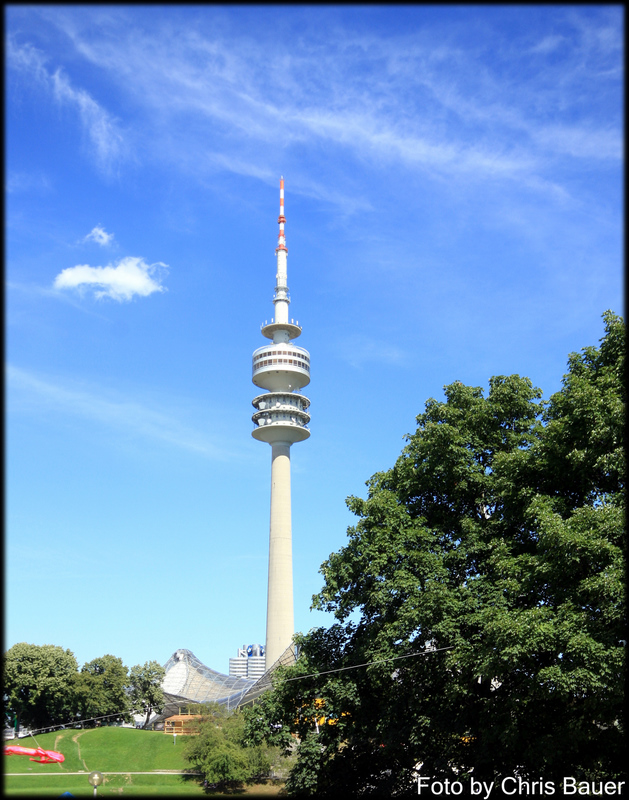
<point>27,182</point>
<point>419,109</point>
<point>146,420</point>
<point>131,276</point>
<point>580,142</point>
<point>358,349</point>
<point>102,129</point>
<point>99,235</point>
<point>548,44</point>
<point>26,58</point>
<point>442,109</point>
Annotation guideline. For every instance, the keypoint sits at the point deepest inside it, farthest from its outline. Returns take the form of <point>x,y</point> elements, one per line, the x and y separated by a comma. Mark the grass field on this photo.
<point>109,750</point>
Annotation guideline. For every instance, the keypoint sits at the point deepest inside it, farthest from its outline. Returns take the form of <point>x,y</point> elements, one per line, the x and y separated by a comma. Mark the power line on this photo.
<point>369,663</point>
<point>73,722</point>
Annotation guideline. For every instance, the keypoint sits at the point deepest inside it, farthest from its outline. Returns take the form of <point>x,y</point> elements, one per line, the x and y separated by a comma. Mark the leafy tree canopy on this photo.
<point>39,684</point>
<point>483,583</point>
<point>219,751</point>
<point>145,689</point>
<point>100,689</point>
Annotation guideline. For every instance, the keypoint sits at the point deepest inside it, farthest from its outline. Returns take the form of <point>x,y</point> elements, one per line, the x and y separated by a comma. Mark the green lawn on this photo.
<point>78,785</point>
<point>106,750</point>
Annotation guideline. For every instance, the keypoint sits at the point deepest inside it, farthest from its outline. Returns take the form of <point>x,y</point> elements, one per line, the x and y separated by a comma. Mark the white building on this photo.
<point>250,662</point>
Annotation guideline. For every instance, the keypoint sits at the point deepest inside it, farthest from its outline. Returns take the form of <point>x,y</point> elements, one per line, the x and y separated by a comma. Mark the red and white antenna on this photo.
<point>281,239</point>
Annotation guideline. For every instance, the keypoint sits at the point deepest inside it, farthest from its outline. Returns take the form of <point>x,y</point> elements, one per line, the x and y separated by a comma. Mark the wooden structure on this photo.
<point>182,724</point>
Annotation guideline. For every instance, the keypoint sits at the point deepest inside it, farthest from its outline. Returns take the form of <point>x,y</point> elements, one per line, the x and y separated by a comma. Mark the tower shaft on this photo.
<point>279,612</point>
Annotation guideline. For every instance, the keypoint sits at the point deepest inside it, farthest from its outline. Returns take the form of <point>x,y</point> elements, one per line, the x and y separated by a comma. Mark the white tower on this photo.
<point>280,419</point>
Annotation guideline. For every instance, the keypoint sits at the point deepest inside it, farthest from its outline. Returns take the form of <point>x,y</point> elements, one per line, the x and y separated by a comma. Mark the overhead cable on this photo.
<point>369,663</point>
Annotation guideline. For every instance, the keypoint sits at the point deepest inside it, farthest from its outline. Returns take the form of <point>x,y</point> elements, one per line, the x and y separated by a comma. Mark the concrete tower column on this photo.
<point>279,612</point>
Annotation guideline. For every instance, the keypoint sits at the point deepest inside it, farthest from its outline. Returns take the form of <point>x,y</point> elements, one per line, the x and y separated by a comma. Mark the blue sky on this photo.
<point>453,182</point>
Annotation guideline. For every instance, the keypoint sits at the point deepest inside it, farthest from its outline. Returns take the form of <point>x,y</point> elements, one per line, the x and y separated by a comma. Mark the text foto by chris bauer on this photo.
<point>519,786</point>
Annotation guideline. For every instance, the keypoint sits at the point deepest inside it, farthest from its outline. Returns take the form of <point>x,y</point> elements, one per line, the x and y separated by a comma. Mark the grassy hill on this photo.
<point>104,749</point>
<point>107,750</point>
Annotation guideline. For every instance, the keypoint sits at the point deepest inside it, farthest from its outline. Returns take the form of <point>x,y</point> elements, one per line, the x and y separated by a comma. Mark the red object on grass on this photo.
<point>36,754</point>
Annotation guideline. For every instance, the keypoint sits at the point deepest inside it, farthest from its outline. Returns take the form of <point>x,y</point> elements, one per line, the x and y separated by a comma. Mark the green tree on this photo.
<point>483,583</point>
<point>100,689</point>
<point>39,684</point>
<point>145,689</point>
<point>304,777</point>
<point>219,751</point>
<point>263,722</point>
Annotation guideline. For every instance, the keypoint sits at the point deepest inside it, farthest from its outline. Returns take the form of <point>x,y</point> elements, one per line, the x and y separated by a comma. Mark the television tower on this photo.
<point>280,418</point>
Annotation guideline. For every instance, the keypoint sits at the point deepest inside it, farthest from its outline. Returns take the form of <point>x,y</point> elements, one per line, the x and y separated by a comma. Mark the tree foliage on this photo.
<point>483,583</point>
<point>100,689</point>
<point>44,688</point>
<point>220,752</point>
<point>39,684</point>
<point>145,689</point>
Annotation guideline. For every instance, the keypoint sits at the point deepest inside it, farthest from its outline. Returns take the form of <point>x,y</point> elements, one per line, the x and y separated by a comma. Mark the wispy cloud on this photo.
<point>18,182</point>
<point>102,128</point>
<point>358,349</point>
<point>27,58</point>
<point>419,109</point>
<point>547,44</point>
<point>581,142</point>
<point>105,408</point>
<point>450,105</point>
<point>35,290</point>
<point>99,235</point>
<point>130,277</point>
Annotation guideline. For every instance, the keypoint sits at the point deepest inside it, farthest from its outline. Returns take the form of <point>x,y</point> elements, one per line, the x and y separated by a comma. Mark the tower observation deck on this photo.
<point>280,418</point>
